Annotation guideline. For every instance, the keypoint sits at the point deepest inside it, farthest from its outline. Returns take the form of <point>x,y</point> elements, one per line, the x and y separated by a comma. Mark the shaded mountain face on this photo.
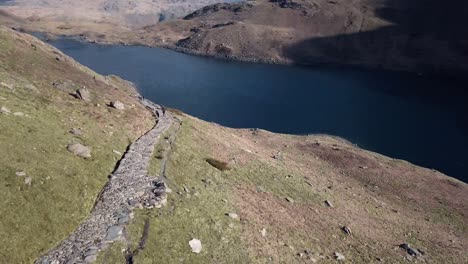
<point>424,35</point>
<point>410,35</point>
<point>416,35</point>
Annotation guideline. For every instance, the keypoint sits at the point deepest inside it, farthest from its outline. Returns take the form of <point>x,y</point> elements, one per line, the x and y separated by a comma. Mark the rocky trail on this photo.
<point>129,187</point>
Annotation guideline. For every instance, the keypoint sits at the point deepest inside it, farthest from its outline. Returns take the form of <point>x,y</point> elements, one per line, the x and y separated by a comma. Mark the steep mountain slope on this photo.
<point>249,196</point>
<point>426,36</point>
<point>46,190</point>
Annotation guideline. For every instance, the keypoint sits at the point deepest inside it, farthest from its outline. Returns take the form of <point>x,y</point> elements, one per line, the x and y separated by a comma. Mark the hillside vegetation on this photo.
<point>248,195</point>
<point>46,190</point>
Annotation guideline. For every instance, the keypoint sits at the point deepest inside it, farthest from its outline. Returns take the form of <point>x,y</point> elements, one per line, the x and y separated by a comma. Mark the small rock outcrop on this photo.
<point>83,94</point>
<point>79,150</point>
<point>233,215</point>
<point>196,245</point>
<point>338,256</point>
<point>76,132</point>
<point>5,110</point>
<point>118,105</point>
<point>410,250</point>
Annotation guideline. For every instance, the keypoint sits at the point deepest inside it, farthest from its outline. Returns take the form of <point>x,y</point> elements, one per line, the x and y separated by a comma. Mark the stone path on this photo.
<point>128,187</point>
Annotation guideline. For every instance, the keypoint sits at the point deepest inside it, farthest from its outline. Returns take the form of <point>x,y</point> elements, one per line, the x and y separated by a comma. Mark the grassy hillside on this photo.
<point>249,196</point>
<point>279,183</point>
<point>46,190</point>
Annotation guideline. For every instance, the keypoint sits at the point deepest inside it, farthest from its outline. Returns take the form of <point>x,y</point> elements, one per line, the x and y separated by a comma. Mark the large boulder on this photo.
<point>83,94</point>
<point>118,105</point>
<point>79,150</point>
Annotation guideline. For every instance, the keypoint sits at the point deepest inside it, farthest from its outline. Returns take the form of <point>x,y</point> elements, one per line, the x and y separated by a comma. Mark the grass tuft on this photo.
<point>220,165</point>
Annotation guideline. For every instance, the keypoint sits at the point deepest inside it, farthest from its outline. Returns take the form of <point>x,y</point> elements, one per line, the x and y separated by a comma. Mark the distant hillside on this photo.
<point>100,15</point>
<point>415,35</point>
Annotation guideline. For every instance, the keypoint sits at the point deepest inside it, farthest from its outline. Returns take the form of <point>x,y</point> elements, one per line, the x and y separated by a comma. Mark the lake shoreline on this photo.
<point>48,36</point>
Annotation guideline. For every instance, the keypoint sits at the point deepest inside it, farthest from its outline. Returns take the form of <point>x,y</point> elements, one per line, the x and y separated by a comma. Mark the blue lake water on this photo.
<point>422,119</point>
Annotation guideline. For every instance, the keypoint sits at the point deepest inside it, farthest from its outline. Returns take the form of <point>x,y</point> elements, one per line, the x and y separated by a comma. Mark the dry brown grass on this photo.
<point>218,164</point>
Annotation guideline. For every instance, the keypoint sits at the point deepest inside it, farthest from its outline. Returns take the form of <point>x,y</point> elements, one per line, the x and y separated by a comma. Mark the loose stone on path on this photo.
<point>114,233</point>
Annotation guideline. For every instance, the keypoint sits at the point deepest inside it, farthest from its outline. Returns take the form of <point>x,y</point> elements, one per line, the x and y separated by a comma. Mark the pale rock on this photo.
<point>5,110</point>
<point>9,86</point>
<point>79,150</point>
<point>114,233</point>
<point>20,173</point>
<point>338,256</point>
<point>83,94</point>
<point>118,105</point>
<point>263,232</point>
<point>28,181</point>
<point>196,245</point>
<point>233,215</point>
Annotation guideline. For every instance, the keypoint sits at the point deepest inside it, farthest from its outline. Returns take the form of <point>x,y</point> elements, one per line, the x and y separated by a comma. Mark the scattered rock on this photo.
<point>410,250</point>
<point>233,215</point>
<point>9,86</point>
<point>20,173</point>
<point>18,114</point>
<point>196,245</point>
<point>90,258</point>
<point>346,230</point>
<point>114,233</point>
<point>328,203</point>
<point>263,232</point>
<point>278,156</point>
<point>289,199</point>
<point>31,87</point>
<point>83,94</point>
<point>5,110</point>
<point>76,132</point>
<point>123,219</point>
<point>28,181</point>
<point>118,105</point>
<point>338,256</point>
<point>79,150</point>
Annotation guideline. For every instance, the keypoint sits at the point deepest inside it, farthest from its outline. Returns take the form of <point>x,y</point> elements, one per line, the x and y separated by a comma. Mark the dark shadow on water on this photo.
<point>425,35</point>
